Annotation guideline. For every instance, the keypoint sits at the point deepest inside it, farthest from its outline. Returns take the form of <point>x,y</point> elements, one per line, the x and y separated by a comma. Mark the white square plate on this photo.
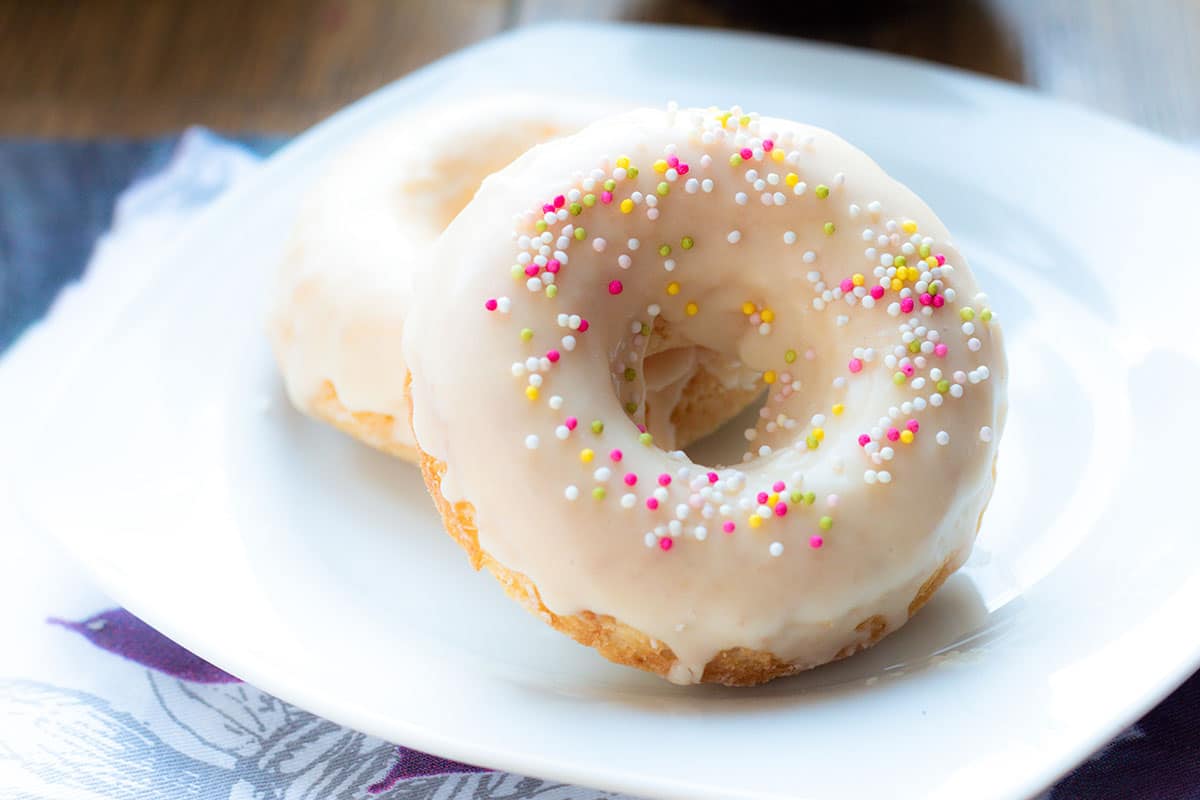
<point>170,464</point>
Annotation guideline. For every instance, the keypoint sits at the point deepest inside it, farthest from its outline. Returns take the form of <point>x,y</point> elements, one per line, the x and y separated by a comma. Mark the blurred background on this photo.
<point>103,68</point>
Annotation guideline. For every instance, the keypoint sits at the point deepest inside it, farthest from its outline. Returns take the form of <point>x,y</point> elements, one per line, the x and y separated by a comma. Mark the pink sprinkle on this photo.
<point>761,498</point>
<point>908,370</point>
<point>779,486</point>
<point>641,428</point>
<point>746,154</point>
<point>583,326</point>
<point>713,477</point>
<point>616,455</point>
<point>768,145</point>
<point>572,423</point>
<point>652,503</point>
<point>560,201</point>
<point>531,269</point>
<point>847,286</point>
<point>864,439</point>
<point>664,480</point>
<point>893,435</point>
<point>816,542</point>
<point>615,287</point>
<point>856,365</point>
<point>666,543</point>
<point>906,305</point>
<point>938,301</point>
<point>941,259</point>
<point>683,169</point>
<point>926,299</point>
<point>913,425</point>
<point>780,509</point>
<point>729,527</point>
<point>553,356</point>
<point>940,349</point>
<point>552,265</point>
<point>876,292</point>
<point>547,208</point>
<point>606,197</point>
<point>672,161</point>
<point>490,305</point>
<point>630,479</point>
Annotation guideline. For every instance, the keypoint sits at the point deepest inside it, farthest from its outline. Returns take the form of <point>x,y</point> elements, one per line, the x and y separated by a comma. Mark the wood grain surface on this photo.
<point>139,67</point>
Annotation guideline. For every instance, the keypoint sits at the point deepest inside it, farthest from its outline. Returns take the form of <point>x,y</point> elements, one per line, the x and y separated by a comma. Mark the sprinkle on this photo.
<point>985,434</point>
<point>646,439</point>
<point>532,441</point>
<point>491,305</point>
<point>822,191</point>
<point>652,503</point>
<point>626,206</point>
<point>734,237</point>
<point>776,549</point>
<point>666,543</point>
<point>531,392</point>
<point>729,527</point>
<point>615,287</point>
<point>829,228</point>
<point>966,313</point>
<point>586,455</point>
<point>816,542</point>
<point>692,309</point>
<point>825,523</point>
<point>942,438</point>
<point>855,365</point>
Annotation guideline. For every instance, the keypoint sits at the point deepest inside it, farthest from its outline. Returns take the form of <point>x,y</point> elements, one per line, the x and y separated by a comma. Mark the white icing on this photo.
<point>893,525</point>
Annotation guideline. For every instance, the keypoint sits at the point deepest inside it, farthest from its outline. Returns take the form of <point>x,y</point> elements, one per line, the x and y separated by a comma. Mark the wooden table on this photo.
<point>141,67</point>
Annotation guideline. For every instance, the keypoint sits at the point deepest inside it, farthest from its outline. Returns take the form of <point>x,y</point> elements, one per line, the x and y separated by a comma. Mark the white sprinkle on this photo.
<point>936,399</point>
<point>942,438</point>
<point>504,305</point>
<point>534,284</point>
<point>740,198</point>
<point>650,539</point>
<point>532,441</point>
<point>599,244</point>
<point>968,328</point>
<point>789,237</point>
<point>885,476</point>
<point>533,364</point>
<point>675,527</point>
<point>776,549</point>
<point>734,237</point>
<point>562,431</point>
<point>780,198</point>
<point>706,185</point>
<point>682,510</point>
<point>568,343</point>
<point>974,344</point>
<point>985,434</point>
<point>842,319</point>
<point>956,390</point>
<point>556,402</point>
<point>764,451</point>
<point>870,476</point>
<point>809,257</point>
<point>624,261</point>
<point>518,369</point>
<point>571,492</point>
<point>700,532</point>
<point>628,500</point>
<point>535,380</point>
<point>634,244</point>
<point>692,186</point>
<point>654,309</point>
<point>669,265</point>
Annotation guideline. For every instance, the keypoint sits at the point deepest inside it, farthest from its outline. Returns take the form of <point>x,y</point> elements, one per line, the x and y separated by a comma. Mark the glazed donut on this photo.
<point>785,250</point>
<point>342,290</point>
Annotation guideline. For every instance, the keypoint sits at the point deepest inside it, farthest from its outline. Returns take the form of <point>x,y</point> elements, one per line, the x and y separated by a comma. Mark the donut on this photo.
<point>342,290</point>
<point>779,247</point>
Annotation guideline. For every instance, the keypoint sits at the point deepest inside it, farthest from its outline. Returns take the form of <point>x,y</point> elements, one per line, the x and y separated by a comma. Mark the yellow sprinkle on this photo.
<point>586,455</point>
<point>790,356</point>
<point>769,377</point>
<point>526,334</point>
<point>692,309</point>
<point>768,315</point>
<point>772,498</point>
<point>660,166</point>
<point>819,434</point>
<point>838,408</point>
<point>777,154</point>
<point>755,521</point>
<point>857,279</point>
<point>673,287</point>
<point>626,206</point>
<point>909,226</point>
<point>748,308</point>
<point>906,437</point>
<point>792,178</point>
<point>931,262</point>
<point>744,120</point>
<point>531,392</point>
<point>623,162</point>
<point>897,284</point>
<point>724,118</point>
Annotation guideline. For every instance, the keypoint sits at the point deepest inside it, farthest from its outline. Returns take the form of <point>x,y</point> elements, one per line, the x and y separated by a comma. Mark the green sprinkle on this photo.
<point>599,493</point>
<point>924,251</point>
<point>829,228</point>
<point>552,291</point>
<point>797,497</point>
<point>735,159</point>
<point>825,523</point>
<point>809,498</point>
<point>790,356</point>
<point>526,334</point>
<point>914,346</point>
<point>898,378</point>
<point>630,374</point>
<point>575,209</point>
<point>580,234</point>
<point>518,272</point>
<point>646,439</point>
<point>645,329</point>
<point>812,442</point>
<point>687,243</point>
<point>610,184</point>
<point>663,189</point>
<point>632,172</point>
<point>901,261</point>
<point>935,287</point>
<point>822,191</point>
<point>986,315</point>
<point>967,313</point>
<point>589,200</point>
<point>665,250</point>
<point>540,226</point>
<point>630,407</point>
<point>943,386</point>
<point>597,427</point>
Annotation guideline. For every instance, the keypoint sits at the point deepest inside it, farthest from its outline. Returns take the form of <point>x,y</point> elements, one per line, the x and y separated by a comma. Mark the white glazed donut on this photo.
<point>780,246</point>
<point>342,290</point>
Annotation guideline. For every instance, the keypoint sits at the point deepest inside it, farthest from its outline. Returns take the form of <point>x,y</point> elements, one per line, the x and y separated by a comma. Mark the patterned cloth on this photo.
<point>95,704</point>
